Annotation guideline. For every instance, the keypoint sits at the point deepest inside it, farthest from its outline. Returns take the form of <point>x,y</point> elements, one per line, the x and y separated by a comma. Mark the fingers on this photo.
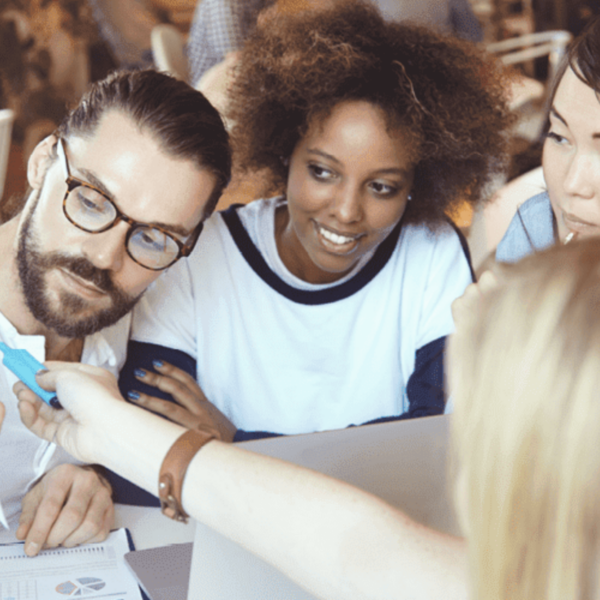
<point>181,386</point>
<point>167,409</point>
<point>69,506</point>
<point>206,416</point>
<point>86,519</point>
<point>469,302</point>
<point>39,418</point>
<point>165,368</point>
<point>488,281</point>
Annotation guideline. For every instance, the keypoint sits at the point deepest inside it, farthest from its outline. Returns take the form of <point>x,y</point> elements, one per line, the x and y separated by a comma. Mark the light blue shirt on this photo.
<point>531,230</point>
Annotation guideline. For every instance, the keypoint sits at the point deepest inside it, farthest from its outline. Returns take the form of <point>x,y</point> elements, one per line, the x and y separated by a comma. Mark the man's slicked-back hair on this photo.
<point>179,117</point>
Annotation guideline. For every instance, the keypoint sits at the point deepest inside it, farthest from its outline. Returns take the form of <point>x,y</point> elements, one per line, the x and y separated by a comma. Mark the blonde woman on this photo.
<point>525,372</point>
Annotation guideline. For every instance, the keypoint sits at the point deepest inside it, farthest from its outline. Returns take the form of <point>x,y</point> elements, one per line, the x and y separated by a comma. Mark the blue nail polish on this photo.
<point>139,373</point>
<point>133,395</point>
<point>157,363</point>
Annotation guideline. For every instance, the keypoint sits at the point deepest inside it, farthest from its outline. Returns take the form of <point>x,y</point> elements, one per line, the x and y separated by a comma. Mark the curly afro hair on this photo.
<point>447,94</point>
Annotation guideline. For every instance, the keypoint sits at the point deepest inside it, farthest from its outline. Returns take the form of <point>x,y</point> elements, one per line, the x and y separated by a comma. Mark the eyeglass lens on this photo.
<point>93,212</point>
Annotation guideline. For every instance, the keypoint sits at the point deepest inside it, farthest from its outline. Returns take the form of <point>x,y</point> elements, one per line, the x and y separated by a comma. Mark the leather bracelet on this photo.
<point>173,470</point>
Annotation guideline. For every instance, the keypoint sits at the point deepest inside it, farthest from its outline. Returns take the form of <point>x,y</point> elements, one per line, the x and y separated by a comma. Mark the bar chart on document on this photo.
<point>89,571</point>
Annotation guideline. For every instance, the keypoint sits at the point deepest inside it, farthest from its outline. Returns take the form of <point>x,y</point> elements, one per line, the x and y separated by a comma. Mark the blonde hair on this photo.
<point>525,375</point>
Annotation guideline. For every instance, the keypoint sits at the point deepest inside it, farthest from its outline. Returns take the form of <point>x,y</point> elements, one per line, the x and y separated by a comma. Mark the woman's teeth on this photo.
<point>335,238</point>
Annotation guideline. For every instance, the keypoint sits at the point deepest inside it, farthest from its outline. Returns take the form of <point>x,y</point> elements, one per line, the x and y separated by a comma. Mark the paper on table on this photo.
<point>90,570</point>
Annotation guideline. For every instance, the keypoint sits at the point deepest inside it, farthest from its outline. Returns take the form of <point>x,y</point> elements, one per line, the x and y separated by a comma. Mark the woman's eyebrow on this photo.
<point>324,155</point>
<point>555,113</point>
<point>391,170</point>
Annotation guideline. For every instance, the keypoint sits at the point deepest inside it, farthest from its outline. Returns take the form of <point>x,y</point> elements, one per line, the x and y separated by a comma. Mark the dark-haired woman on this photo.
<point>570,207</point>
<point>328,304</point>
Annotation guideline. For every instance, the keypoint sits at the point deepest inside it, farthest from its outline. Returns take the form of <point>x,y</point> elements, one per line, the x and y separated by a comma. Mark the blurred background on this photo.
<point>51,49</point>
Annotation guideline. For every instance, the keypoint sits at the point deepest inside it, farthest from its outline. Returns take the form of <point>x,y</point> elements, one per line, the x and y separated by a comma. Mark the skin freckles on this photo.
<point>348,185</point>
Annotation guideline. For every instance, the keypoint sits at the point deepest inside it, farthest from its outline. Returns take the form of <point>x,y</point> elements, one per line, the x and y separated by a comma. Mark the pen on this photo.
<point>25,366</point>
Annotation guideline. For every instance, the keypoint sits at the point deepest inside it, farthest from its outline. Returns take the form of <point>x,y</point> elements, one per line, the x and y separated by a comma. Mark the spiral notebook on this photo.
<point>88,571</point>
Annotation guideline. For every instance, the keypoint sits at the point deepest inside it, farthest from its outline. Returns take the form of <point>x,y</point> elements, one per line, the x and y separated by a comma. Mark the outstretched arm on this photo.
<point>333,539</point>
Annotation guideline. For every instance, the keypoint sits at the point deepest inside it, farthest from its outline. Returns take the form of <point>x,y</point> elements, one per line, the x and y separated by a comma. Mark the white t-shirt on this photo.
<point>25,457</point>
<point>281,356</point>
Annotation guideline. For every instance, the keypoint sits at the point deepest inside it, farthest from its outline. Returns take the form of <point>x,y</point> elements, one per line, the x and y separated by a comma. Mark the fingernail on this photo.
<point>157,363</point>
<point>31,549</point>
<point>41,372</point>
<point>139,373</point>
<point>133,395</point>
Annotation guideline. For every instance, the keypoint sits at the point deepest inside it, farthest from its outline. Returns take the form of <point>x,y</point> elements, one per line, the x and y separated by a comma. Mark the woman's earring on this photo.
<point>284,161</point>
<point>409,197</point>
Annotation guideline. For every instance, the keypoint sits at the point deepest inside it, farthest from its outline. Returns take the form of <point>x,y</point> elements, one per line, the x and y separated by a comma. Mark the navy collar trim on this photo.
<point>332,294</point>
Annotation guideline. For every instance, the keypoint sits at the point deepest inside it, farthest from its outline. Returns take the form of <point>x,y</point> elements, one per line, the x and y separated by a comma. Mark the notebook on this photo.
<point>403,462</point>
<point>86,571</point>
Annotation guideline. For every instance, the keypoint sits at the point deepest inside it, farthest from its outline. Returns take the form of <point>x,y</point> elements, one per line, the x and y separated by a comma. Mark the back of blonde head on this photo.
<point>525,374</point>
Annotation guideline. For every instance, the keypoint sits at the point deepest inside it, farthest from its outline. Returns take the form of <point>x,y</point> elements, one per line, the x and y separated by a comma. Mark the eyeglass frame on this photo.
<point>73,183</point>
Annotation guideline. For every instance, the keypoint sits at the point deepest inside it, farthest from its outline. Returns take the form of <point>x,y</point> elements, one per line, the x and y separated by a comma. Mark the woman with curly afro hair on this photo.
<point>328,304</point>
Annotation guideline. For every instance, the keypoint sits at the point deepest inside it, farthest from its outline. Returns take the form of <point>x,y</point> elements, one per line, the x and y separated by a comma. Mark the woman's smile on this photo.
<point>337,241</point>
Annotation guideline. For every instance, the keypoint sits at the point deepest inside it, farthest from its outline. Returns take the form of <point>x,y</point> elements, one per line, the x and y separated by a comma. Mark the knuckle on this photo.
<point>170,409</point>
<point>72,514</point>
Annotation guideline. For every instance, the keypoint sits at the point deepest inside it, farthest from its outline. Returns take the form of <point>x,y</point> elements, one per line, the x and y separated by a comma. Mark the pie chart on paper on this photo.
<point>81,587</point>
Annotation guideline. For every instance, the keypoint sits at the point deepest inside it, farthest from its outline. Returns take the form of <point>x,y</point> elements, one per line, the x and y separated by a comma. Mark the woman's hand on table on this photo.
<point>191,408</point>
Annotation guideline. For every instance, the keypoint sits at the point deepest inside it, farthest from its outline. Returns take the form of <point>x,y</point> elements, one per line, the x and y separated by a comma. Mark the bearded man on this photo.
<point>119,193</point>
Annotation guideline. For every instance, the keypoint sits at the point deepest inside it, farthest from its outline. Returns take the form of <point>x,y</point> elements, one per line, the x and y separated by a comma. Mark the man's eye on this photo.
<point>152,238</point>
<point>91,200</point>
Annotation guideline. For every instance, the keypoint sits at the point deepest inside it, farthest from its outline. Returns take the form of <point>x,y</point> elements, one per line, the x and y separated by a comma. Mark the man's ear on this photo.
<point>39,161</point>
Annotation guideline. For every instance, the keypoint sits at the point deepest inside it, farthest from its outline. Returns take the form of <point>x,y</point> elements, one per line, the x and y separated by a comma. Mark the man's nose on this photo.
<point>106,250</point>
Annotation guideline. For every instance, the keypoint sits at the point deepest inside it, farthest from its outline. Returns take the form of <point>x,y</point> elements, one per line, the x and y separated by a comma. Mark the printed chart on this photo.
<point>82,586</point>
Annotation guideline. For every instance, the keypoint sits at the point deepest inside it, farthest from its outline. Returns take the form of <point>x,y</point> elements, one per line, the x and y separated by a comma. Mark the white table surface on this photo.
<point>150,528</point>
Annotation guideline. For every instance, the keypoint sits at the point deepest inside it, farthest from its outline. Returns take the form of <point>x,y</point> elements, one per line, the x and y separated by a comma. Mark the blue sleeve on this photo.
<point>425,388</point>
<point>140,355</point>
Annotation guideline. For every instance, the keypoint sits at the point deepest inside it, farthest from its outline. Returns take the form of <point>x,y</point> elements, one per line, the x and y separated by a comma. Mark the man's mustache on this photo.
<point>82,268</point>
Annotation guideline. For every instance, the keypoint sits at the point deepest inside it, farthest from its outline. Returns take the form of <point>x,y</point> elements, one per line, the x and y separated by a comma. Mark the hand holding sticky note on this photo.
<point>25,366</point>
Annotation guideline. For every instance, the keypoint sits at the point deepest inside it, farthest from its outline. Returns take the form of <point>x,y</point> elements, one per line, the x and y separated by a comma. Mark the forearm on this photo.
<point>333,539</point>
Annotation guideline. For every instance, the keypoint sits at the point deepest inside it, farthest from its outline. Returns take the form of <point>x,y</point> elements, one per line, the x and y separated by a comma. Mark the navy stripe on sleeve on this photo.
<point>140,356</point>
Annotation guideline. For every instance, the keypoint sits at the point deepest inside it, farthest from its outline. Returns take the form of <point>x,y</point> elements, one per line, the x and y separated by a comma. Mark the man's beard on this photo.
<point>33,266</point>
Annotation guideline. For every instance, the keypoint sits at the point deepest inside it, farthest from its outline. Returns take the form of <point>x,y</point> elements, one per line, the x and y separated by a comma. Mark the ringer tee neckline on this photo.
<point>311,297</point>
